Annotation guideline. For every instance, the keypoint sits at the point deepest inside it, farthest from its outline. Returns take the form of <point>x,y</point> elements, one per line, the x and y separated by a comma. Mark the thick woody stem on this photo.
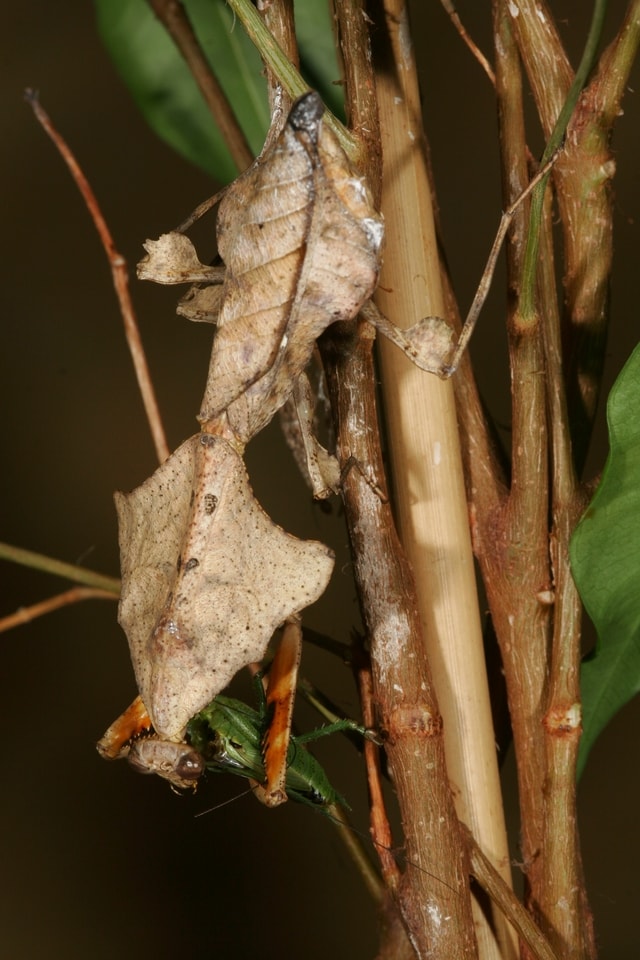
<point>409,717</point>
<point>425,455</point>
<point>511,543</point>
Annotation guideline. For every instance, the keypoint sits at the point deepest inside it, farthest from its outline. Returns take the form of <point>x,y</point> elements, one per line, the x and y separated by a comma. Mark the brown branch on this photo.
<point>511,544</point>
<point>27,614</point>
<point>120,279</point>
<point>360,89</point>
<point>173,16</point>
<point>279,20</point>
<point>276,60</point>
<point>585,201</point>
<point>544,57</point>
<point>561,898</point>
<point>582,178</point>
<point>539,629</point>
<point>404,690</point>
<point>493,885</point>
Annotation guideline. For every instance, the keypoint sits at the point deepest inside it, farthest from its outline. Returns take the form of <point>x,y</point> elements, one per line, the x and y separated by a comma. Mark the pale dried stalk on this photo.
<point>430,496</point>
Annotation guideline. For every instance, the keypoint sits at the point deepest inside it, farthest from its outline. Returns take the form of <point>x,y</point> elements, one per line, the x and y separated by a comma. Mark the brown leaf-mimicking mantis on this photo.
<point>206,575</point>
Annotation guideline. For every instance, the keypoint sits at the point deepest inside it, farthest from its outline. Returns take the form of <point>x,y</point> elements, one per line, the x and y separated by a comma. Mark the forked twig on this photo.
<point>119,275</point>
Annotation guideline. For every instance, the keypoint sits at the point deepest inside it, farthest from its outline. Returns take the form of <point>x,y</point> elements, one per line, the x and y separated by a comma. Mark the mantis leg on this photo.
<point>280,697</point>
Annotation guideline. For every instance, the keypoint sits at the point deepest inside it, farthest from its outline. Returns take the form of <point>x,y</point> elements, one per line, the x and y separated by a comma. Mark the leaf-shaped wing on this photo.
<point>301,242</point>
<point>172,259</point>
<point>206,579</point>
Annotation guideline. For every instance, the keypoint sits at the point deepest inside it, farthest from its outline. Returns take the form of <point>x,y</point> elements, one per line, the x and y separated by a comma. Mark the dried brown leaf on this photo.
<point>301,242</point>
<point>172,258</point>
<point>206,579</point>
<point>319,468</point>
<point>201,303</point>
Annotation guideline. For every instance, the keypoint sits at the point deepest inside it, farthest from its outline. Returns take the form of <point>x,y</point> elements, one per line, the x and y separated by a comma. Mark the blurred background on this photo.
<point>97,861</point>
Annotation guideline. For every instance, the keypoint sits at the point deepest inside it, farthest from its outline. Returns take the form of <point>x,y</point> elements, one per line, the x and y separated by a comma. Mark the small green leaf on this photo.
<point>605,559</point>
<point>165,91</point>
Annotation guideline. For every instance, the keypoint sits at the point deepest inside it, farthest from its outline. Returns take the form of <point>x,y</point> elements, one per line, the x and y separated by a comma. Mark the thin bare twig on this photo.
<point>356,851</point>
<point>39,561</point>
<point>473,47</point>
<point>75,595</point>
<point>119,275</point>
<point>487,276</point>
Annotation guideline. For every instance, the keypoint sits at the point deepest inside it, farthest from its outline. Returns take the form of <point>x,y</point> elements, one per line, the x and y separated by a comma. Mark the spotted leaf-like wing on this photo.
<point>207,577</point>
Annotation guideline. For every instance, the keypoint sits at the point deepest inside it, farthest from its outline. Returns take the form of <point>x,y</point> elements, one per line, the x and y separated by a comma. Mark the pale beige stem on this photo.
<point>427,477</point>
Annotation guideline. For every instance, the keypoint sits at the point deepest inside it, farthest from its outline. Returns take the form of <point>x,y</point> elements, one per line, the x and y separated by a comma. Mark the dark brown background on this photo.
<point>97,862</point>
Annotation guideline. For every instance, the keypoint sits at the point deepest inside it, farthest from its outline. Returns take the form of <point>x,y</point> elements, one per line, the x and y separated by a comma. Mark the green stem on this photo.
<point>282,69</point>
<point>69,571</point>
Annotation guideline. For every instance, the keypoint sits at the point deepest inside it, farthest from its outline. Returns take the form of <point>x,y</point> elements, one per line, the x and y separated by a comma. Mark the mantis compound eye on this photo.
<point>178,763</point>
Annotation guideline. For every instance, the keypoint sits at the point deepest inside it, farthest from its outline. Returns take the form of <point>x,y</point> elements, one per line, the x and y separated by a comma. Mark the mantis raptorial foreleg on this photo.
<point>280,696</point>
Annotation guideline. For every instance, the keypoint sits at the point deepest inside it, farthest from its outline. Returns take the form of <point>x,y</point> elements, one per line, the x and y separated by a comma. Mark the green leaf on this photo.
<point>166,93</point>
<point>605,559</point>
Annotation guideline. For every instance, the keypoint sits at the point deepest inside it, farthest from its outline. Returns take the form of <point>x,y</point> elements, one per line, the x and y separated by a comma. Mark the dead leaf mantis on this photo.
<point>206,575</point>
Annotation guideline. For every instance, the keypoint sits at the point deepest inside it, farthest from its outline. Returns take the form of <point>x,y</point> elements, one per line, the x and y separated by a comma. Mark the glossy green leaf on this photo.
<point>167,95</point>
<point>605,559</point>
